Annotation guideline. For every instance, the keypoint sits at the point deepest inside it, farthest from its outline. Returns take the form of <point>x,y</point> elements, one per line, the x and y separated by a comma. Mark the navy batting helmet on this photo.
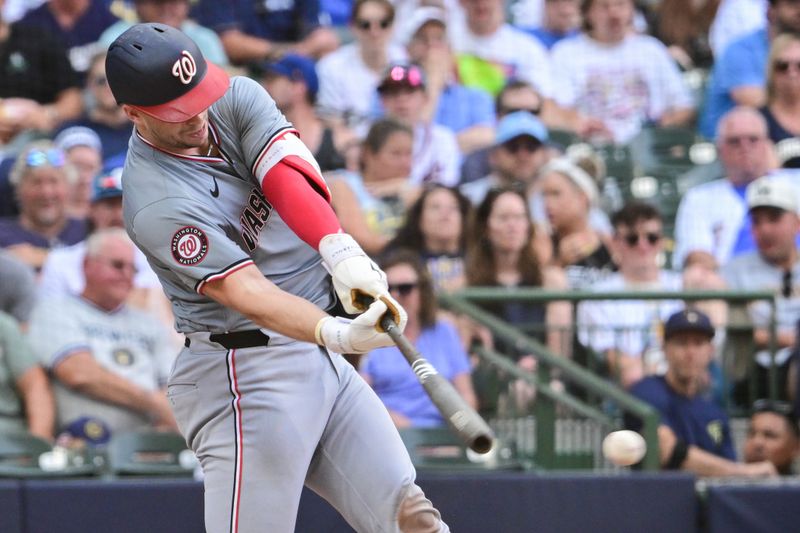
<point>160,71</point>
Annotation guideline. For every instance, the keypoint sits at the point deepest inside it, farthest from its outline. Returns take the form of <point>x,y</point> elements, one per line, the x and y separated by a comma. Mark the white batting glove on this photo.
<point>361,335</point>
<point>355,275</point>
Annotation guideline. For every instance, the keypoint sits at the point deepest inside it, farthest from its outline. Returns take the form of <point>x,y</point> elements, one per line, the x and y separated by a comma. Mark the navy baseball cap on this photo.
<point>160,71</point>
<point>107,185</point>
<point>688,320</point>
<point>520,123</point>
<point>296,68</point>
<point>400,75</point>
<point>90,429</point>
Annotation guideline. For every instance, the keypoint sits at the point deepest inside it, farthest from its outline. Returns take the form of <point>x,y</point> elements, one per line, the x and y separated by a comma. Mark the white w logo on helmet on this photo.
<point>185,68</point>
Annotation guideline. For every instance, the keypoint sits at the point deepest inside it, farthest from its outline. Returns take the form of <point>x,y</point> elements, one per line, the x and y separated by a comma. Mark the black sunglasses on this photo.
<point>365,24</point>
<point>784,66</point>
<point>508,110</point>
<point>632,239</point>
<point>765,405</point>
<point>522,143</point>
<point>403,289</point>
<point>787,284</point>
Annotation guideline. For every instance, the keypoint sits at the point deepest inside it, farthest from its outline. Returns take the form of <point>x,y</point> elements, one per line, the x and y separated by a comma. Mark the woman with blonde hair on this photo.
<point>782,111</point>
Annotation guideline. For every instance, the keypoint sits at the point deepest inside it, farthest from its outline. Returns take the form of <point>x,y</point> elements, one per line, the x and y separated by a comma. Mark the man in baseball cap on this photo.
<point>160,71</point>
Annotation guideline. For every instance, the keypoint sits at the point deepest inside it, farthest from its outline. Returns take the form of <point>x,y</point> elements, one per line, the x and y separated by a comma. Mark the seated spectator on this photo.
<point>386,369</point>
<point>616,79</point>
<point>84,153</point>
<point>467,111</point>
<point>27,397</point>
<point>108,360</point>
<point>40,179</point>
<point>255,31</point>
<point>626,333</point>
<point>174,13</point>
<point>712,225</point>
<point>515,159</point>
<point>349,76</point>
<point>774,266</point>
<point>18,290</point>
<point>783,88</point>
<point>490,51</point>
<point>739,74</point>
<point>293,84</point>
<point>436,157</point>
<point>773,435</point>
<point>62,272</point>
<point>683,26</point>
<point>435,227</point>
<point>103,116</point>
<point>39,88</point>
<point>694,433</point>
<point>561,20</point>
<point>76,24</point>
<point>372,203</point>
<point>569,194</point>
<point>500,253</point>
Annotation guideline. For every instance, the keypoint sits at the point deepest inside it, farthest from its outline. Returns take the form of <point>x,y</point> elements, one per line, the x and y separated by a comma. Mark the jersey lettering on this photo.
<point>254,217</point>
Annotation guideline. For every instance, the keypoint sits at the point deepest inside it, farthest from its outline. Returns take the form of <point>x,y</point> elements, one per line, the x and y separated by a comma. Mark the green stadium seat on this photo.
<point>438,449</point>
<point>150,453</point>
<point>20,453</point>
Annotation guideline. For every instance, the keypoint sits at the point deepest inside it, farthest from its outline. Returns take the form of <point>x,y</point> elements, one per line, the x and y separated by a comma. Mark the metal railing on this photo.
<point>550,401</point>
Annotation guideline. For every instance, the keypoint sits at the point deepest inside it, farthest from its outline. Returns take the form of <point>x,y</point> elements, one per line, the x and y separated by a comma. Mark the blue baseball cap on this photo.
<point>296,68</point>
<point>90,429</point>
<point>517,124</point>
<point>107,185</point>
<point>688,320</point>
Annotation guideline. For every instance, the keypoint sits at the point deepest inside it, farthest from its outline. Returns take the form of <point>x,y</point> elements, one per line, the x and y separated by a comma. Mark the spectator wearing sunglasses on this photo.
<point>783,94</point>
<point>257,30</point>
<point>436,156</point>
<point>711,225</point>
<point>518,154</point>
<point>348,76</point>
<point>40,177</point>
<point>773,435</point>
<point>774,266</point>
<point>694,433</point>
<point>387,370</point>
<point>103,116</point>
<point>108,361</point>
<point>626,334</point>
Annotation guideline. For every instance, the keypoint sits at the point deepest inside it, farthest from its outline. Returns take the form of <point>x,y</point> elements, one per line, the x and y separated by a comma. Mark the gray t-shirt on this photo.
<point>200,218</point>
<point>18,288</point>
<point>16,358</point>
<point>127,342</point>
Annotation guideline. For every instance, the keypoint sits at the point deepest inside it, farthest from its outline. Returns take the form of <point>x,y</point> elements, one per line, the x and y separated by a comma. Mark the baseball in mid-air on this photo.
<point>624,448</point>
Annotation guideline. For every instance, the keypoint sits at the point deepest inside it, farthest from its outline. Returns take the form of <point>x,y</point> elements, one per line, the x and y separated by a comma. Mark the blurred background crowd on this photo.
<point>564,145</point>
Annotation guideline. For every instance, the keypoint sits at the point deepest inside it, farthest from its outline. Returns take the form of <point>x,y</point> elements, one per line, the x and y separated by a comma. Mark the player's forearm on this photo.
<point>250,293</point>
<point>38,402</point>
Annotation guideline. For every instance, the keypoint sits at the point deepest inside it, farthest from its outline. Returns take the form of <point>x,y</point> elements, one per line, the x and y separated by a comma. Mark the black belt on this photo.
<point>248,338</point>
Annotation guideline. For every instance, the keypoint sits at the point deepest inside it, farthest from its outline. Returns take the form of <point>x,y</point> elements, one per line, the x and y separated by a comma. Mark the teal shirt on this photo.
<point>16,358</point>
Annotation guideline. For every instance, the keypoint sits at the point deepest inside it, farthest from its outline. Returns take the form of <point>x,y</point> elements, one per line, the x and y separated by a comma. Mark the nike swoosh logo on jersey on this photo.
<point>215,191</point>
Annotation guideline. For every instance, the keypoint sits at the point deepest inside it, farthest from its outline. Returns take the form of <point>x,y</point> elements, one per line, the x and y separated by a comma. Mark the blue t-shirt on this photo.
<point>284,21</point>
<point>11,232</point>
<point>743,63</point>
<point>394,381</point>
<point>697,421</point>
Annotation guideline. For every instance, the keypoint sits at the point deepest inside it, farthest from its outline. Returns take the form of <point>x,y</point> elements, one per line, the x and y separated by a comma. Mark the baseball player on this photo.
<point>231,210</point>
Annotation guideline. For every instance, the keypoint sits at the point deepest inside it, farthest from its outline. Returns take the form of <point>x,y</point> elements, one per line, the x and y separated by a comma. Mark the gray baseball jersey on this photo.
<point>200,218</point>
<point>263,419</point>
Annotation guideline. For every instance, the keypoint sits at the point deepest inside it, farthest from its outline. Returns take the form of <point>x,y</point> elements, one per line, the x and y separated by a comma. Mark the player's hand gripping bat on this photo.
<point>462,419</point>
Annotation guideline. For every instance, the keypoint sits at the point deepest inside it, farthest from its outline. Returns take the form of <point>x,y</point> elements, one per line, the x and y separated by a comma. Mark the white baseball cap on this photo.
<point>419,17</point>
<point>770,192</point>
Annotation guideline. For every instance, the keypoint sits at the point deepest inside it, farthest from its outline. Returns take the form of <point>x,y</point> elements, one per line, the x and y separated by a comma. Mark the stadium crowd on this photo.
<point>466,143</point>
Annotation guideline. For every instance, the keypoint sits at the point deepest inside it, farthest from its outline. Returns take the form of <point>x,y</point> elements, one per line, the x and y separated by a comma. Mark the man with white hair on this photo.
<point>774,266</point>
<point>108,361</point>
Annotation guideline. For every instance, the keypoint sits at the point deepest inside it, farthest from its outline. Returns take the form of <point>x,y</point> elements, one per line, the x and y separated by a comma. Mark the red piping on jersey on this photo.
<point>239,448</point>
<point>224,274</point>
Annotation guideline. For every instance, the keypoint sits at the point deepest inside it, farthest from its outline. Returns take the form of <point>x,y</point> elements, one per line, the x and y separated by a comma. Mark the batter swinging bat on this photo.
<point>462,419</point>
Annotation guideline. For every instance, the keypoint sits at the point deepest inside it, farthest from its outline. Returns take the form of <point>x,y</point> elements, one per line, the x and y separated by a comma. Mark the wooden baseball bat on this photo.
<point>462,419</point>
